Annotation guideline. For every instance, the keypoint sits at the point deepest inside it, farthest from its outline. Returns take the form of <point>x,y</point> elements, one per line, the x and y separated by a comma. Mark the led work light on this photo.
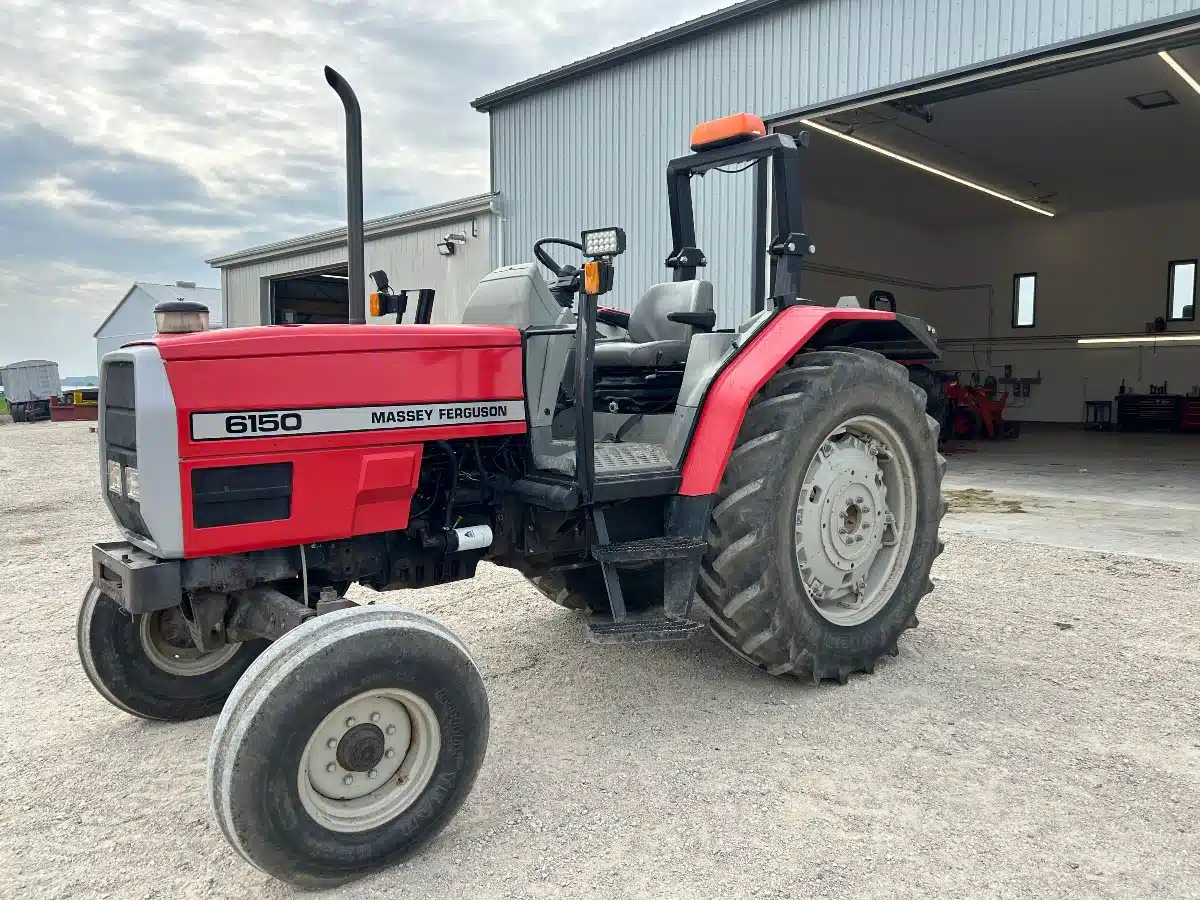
<point>602,242</point>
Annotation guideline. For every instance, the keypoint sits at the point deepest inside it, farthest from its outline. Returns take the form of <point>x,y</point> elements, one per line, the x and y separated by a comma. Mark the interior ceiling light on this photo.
<point>1144,339</point>
<point>1153,100</point>
<point>1040,210</point>
<point>1180,70</point>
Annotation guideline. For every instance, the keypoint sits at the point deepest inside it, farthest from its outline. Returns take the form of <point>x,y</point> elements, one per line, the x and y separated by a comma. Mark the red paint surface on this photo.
<point>335,494</point>
<point>314,370</point>
<point>301,340</point>
<point>728,399</point>
<point>342,484</point>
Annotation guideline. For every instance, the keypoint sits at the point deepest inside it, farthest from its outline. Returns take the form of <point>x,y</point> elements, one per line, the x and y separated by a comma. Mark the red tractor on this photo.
<point>978,412</point>
<point>776,483</point>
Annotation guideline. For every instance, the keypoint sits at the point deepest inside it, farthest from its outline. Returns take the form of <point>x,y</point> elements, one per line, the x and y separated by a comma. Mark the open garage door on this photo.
<point>311,298</point>
<point>1048,229</point>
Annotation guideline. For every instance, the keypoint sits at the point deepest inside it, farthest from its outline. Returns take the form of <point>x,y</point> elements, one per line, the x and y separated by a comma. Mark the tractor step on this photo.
<point>673,547</point>
<point>642,631</point>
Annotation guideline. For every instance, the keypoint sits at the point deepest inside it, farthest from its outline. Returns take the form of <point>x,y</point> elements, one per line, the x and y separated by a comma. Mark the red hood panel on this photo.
<point>302,340</point>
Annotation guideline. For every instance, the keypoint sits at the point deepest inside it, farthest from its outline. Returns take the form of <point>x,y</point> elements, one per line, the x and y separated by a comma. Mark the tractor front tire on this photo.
<point>350,743</point>
<point>147,665</point>
<point>825,525</point>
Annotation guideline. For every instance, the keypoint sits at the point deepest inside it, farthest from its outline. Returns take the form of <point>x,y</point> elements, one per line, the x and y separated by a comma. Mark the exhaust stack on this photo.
<point>354,197</point>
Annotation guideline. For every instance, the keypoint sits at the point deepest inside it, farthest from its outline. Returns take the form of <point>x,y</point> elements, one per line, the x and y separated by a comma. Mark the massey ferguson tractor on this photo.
<point>775,483</point>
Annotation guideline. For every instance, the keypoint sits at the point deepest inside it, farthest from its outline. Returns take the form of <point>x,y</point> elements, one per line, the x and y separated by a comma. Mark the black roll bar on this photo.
<point>790,243</point>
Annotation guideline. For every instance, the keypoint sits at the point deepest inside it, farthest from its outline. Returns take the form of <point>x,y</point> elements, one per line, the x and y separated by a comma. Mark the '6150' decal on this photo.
<point>263,423</point>
<point>222,426</point>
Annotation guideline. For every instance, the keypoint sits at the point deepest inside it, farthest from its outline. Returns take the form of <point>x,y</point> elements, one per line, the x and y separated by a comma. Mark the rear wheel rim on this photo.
<point>369,760</point>
<point>856,520</point>
<point>168,645</point>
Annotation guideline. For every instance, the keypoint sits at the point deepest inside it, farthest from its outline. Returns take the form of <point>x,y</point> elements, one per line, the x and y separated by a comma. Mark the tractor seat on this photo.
<point>654,340</point>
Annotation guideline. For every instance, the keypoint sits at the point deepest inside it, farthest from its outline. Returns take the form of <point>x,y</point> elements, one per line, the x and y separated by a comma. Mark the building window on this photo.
<point>1181,281</point>
<point>1024,299</point>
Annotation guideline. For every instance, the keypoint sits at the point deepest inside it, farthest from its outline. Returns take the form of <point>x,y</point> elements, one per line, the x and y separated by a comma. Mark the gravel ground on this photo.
<point>1036,737</point>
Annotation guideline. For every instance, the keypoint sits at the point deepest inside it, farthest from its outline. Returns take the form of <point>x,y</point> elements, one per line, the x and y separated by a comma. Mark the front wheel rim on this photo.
<point>168,645</point>
<point>369,760</point>
<point>856,520</point>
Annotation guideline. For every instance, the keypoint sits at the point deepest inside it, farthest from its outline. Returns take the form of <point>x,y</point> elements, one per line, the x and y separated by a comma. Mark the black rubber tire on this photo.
<point>584,589</point>
<point>116,664</point>
<point>937,403</point>
<point>17,411</point>
<point>749,580</point>
<point>260,738</point>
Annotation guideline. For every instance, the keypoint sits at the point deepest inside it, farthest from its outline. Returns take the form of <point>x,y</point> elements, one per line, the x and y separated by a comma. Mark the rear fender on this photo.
<point>794,329</point>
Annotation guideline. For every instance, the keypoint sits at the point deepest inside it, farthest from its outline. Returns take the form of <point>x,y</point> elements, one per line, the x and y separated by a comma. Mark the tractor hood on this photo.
<point>305,340</point>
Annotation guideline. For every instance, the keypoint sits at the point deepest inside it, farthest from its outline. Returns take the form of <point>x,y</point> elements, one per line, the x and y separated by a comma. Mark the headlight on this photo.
<point>132,488</point>
<point>603,242</point>
<point>114,477</point>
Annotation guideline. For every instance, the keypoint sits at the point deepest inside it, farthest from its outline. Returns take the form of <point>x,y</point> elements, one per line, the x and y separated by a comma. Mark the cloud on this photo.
<point>139,137</point>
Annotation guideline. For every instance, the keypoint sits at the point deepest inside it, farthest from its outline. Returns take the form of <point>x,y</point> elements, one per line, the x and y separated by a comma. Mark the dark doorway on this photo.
<point>314,298</point>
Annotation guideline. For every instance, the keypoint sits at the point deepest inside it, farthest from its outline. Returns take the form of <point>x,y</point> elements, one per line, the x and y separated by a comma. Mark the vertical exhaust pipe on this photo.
<point>354,197</point>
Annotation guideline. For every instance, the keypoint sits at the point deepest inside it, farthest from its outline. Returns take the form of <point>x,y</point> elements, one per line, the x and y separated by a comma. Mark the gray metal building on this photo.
<point>1055,106</point>
<point>447,247</point>
<point>133,317</point>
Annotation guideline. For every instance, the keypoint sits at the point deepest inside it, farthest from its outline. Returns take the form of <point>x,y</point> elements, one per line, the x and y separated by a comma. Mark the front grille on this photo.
<point>120,438</point>
<point>240,495</point>
<point>120,424</point>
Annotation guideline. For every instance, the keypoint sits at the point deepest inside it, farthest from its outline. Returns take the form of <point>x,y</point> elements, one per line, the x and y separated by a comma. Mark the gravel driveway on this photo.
<point>1038,736</point>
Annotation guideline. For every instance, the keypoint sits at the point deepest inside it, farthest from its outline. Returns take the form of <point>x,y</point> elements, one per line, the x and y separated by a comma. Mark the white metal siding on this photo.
<point>554,178</point>
<point>134,318</point>
<point>410,258</point>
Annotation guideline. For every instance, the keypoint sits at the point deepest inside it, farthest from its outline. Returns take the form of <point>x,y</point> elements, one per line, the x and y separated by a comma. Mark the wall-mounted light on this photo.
<point>924,167</point>
<point>446,246</point>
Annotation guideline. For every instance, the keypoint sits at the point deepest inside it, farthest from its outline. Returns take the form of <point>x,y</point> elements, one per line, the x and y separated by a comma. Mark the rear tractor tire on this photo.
<point>825,526</point>
<point>349,743</point>
<point>937,402</point>
<point>148,666</point>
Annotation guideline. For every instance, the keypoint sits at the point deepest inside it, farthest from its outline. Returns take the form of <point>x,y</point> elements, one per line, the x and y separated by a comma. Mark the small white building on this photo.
<point>303,280</point>
<point>133,317</point>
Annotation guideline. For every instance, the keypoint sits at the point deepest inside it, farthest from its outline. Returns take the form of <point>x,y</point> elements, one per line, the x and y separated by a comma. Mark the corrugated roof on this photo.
<point>210,297</point>
<point>451,211</point>
<point>642,46</point>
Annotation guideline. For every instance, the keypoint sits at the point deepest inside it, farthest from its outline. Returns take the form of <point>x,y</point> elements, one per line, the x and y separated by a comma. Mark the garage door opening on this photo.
<point>1049,230</point>
<point>311,298</point>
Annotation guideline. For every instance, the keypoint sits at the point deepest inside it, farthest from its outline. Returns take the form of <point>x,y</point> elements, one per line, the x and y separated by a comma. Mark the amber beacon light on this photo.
<point>729,130</point>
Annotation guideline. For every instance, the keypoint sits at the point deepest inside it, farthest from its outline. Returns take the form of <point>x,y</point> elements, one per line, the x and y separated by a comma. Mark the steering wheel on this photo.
<point>544,258</point>
<point>566,288</point>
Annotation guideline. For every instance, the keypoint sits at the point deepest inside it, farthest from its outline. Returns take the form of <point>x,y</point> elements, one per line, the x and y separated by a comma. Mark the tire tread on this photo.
<point>738,585</point>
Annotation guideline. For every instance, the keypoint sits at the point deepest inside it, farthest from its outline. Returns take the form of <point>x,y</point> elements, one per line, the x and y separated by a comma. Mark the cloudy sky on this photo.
<point>138,139</point>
